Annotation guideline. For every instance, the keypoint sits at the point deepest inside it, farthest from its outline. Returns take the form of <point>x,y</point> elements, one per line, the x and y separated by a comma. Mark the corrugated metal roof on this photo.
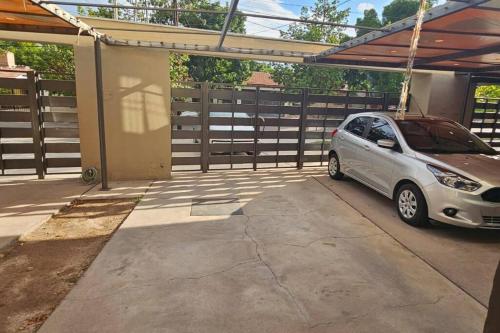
<point>456,36</point>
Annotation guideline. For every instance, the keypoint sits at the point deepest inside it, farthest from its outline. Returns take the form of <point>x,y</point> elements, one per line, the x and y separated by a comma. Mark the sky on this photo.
<point>289,8</point>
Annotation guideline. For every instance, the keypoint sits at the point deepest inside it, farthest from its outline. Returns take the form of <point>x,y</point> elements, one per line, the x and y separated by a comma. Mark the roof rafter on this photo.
<point>458,55</point>
<point>227,22</point>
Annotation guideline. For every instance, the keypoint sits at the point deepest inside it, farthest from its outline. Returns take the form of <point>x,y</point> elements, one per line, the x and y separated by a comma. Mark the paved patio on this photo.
<point>277,252</point>
<point>26,202</point>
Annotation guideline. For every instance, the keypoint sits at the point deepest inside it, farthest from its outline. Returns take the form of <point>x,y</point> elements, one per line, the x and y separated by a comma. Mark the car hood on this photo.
<point>482,167</point>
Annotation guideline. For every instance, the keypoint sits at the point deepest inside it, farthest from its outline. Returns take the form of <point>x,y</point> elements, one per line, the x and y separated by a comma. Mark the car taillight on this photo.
<point>334,132</point>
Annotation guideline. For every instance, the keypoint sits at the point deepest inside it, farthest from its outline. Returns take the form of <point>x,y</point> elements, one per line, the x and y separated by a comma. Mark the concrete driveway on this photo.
<point>276,252</point>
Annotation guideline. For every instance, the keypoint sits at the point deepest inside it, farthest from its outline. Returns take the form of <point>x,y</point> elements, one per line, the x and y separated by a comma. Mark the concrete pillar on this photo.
<point>137,110</point>
<point>442,94</point>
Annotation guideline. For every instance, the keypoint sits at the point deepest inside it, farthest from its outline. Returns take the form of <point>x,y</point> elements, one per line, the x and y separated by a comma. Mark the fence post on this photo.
<point>302,132</point>
<point>385,107</point>
<point>256,127</point>
<point>35,123</point>
<point>205,140</point>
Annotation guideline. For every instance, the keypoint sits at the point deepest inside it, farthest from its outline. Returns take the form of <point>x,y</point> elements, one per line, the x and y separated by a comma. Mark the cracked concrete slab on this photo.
<point>299,259</point>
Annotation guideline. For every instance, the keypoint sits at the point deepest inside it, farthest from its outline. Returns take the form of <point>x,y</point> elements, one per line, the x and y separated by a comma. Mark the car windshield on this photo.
<point>441,137</point>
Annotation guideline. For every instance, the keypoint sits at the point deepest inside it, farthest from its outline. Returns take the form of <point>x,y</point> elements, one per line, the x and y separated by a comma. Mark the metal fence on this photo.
<point>223,126</point>
<point>38,126</point>
<point>486,120</point>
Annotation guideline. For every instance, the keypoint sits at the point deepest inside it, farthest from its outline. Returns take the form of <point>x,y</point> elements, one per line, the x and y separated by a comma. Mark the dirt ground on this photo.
<point>41,268</point>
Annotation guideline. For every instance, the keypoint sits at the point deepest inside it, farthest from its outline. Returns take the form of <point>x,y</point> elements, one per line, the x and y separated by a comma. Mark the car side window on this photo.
<point>358,125</point>
<point>381,130</point>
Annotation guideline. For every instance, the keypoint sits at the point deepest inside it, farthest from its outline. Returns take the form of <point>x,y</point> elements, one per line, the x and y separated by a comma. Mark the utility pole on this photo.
<point>115,10</point>
<point>400,114</point>
<point>176,13</point>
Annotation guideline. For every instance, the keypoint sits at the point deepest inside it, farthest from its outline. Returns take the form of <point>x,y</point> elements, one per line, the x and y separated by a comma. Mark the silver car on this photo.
<point>433,168</point>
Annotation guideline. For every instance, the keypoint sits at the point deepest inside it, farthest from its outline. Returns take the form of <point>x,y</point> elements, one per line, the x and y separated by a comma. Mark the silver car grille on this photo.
<point>492,219</point>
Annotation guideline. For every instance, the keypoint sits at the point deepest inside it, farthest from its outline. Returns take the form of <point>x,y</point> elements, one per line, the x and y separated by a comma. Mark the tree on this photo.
<point>322,78</point>
<point>370,19</point>
<point>488,91</point>
<point>401,9</point>
<point>51,60</point>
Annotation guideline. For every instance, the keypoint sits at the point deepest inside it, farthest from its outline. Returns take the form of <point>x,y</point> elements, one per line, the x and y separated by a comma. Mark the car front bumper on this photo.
<point>472,210</point>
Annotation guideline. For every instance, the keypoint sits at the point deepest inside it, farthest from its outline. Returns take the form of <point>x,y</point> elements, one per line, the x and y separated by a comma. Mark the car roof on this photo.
<point>408,116</point>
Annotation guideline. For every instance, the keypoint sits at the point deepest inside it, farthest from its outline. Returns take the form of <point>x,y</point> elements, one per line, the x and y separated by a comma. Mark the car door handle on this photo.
<point>366,147</point>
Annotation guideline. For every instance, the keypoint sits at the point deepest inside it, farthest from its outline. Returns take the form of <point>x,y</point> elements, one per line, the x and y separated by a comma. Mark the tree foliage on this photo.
<point>488,91</point>
<point>53,61</point>
<point>370,19</point>
<point>401,9</point>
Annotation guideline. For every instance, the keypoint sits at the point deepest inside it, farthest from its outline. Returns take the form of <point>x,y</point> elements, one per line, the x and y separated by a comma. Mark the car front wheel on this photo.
<point>334,167</point>
<point>411,205</point>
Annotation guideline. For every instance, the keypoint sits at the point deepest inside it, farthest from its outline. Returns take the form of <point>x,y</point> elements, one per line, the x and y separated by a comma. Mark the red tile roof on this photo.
<point>262,79</point>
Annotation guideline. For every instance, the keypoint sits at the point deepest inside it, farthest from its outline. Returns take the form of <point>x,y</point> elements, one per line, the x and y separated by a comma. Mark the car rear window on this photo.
<point>381,130</point>
<point>358,125</point>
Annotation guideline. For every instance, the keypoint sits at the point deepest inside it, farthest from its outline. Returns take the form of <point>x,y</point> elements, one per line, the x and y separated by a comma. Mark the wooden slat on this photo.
<point>317,146</point>
<point>231,134</point>
<point>488,135</point>
<point>15,100</point>
<point>246,108</point>
<point>185,120</point>
<point>9,83</point>
<point>62,147</point>
<point>279,96</point>
<point>321,123</point>
<point>17,133</point>
<point>226,159</point>
<point>225,94</point>
<point>186,160</point>
<point>19,164</point>
<point>63,162</point>
<point>186,148</point>
<point>182,134</point>
<point>185,106</point>
<point>484,115</point>
<point>280,135</point>
<point>283,122</point>
<point>227,121</point>
<point>60,117</point>
<point>279,158</point>
<point>186,92</point>
<point>315,158</point>
<point>59,101</point>
<point>327,99</point>
<point>226,147</point>
<point>58,85</point>
<point>15,116</point>
<point>291,110</point>
<point>17,148</point>
<point>317,135</point>
<point>61,132</point>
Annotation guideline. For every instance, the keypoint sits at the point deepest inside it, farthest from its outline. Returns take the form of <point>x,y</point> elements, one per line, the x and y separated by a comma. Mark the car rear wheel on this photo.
<point>411,205</point>
<point>334,167</point>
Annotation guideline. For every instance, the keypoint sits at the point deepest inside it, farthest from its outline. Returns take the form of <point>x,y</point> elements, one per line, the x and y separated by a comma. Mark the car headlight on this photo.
<point>451,179</point>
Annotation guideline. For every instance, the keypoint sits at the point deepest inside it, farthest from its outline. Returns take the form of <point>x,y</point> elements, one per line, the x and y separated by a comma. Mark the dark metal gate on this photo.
<point>218,126</point>
<point>486,120</point>
<point>38,126</point>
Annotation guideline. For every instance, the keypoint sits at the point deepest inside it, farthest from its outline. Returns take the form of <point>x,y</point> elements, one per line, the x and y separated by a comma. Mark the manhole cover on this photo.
<point>216,207</point>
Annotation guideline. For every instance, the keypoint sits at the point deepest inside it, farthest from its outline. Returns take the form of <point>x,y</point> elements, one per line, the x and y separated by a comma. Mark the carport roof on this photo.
<point>32,16</point>
<point>456,36</point>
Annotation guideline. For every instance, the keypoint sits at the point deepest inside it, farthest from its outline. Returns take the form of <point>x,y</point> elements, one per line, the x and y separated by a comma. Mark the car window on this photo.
<point>358,125</point>
<point>381,130</point>
<point>441,137</point>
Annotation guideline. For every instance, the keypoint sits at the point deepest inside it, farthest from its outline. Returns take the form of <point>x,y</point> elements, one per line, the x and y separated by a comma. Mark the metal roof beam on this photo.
<point>458,55</point>
<point>227,22</point>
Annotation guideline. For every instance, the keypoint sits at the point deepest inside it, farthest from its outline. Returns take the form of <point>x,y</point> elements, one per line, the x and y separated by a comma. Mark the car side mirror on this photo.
<point>384,143</point>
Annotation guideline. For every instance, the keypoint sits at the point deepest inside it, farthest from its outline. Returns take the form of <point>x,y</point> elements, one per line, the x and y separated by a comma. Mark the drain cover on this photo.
<point>216,207</point>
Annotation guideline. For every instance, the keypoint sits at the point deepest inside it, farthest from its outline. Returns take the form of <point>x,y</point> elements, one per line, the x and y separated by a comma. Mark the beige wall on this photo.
<point>439,94</point>
<point>136,87</point>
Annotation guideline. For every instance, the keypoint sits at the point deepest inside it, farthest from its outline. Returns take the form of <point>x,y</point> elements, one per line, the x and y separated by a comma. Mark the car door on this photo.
<point>351,144</point>
<point>378,163</point>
